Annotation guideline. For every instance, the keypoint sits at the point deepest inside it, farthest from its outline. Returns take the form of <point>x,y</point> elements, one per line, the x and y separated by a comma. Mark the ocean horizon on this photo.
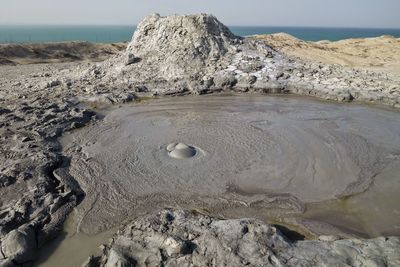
<point>122,33</point>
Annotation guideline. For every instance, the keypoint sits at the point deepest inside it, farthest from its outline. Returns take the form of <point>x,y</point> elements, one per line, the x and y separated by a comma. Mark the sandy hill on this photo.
<point>379,54</point>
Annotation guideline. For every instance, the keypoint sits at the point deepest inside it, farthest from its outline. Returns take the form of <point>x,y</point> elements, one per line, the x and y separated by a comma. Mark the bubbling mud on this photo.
<point>181,151</point>
<point>232,155</point>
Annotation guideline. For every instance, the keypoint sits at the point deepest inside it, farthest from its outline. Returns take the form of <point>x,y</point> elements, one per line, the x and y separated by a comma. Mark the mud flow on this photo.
<point>240,156</point>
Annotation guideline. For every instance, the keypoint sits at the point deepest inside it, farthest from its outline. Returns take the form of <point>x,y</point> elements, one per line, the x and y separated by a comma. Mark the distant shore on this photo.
<point>123,33</point>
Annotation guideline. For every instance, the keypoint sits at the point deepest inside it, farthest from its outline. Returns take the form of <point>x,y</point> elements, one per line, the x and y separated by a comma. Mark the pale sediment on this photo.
<point>253,149</point>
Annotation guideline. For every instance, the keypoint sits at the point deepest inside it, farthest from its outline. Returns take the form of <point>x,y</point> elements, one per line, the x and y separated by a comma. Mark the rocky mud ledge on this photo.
<point>183,238</point>
<point>168,56</point>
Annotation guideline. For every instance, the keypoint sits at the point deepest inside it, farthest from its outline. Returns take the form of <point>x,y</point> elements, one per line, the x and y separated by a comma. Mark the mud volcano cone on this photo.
<point>180,45</point>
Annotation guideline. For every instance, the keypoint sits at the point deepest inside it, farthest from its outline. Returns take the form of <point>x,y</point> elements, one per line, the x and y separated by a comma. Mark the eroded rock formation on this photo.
<point>181,238</point>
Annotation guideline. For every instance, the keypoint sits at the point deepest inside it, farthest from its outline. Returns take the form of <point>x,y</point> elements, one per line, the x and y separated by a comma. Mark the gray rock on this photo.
<point>225,80</point>
<point>20,245</point>
<point>53,83</point>
<point>347,97</point>
<point>131,59</point>
<point>116,259</point>
<point>7,263</point>
<point>251,66</point>
<point>90,262</point>
<point>181,238</point>
<point>6,180</point>
<point>245,82</point>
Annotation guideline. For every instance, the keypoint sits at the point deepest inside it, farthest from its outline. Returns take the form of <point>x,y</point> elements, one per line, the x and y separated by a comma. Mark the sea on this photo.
<point>111,34</point>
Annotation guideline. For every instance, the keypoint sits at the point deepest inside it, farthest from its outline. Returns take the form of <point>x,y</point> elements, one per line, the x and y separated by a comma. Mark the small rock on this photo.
<point>141,89</point>
<point>245,82</point>
<point>131,59</point>
<point>328,238</point>
<point>126,97</point>
<point>6,180</point>
<point>225,80</point>
<point>115,259</point>
<point>173,247</point>
<point>90,262</point>
<point>347,97</point>
<point>53,83</point>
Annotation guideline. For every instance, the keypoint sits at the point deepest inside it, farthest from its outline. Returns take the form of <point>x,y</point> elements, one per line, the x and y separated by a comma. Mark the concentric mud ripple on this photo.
<point>251,151</point>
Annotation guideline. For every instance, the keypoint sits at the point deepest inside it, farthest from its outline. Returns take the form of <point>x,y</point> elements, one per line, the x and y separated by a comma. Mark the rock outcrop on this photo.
<point>34,199</point>
<point>181,238</point>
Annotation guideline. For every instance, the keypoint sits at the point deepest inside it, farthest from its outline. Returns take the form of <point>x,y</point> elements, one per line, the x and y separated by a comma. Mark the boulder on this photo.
<point>20,245</point>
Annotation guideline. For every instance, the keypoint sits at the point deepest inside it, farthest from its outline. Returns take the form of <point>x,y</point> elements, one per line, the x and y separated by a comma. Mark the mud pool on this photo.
<point>263,156</point>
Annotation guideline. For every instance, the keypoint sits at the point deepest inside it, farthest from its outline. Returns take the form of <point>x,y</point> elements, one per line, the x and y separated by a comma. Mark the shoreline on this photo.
<point>28,34</point>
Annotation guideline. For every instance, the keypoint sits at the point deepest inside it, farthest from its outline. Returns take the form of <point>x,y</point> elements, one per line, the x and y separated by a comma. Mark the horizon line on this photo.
<point>135,25</point>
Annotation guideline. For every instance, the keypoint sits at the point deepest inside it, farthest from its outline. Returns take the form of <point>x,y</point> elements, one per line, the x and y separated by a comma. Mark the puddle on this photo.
<point>72,248</point>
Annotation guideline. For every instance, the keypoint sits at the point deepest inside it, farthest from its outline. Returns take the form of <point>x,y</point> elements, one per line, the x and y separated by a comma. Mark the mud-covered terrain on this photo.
<point>20,54</point>
<point>272,155</point>
<point>40,183</point>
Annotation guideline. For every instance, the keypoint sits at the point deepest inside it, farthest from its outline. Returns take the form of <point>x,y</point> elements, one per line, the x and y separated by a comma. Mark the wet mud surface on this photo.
<point>249,156</point>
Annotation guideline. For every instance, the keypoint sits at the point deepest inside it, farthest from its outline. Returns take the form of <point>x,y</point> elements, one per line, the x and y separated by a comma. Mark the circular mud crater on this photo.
<point>181,151</point>
<point>240,156</point>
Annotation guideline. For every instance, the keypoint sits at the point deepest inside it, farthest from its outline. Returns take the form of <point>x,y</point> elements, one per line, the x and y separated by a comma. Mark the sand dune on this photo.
<point>379,54</point>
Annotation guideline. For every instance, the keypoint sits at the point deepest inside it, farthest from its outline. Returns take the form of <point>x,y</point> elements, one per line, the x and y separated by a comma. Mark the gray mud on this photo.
<point>260,156</point>
<point>71,248</point>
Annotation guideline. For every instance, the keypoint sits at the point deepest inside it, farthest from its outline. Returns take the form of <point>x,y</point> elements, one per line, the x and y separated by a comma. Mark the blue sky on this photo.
<point>317,13</point>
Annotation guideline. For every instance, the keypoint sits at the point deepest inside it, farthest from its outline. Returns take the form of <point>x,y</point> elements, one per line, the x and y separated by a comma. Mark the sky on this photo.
<point>316,13</point>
